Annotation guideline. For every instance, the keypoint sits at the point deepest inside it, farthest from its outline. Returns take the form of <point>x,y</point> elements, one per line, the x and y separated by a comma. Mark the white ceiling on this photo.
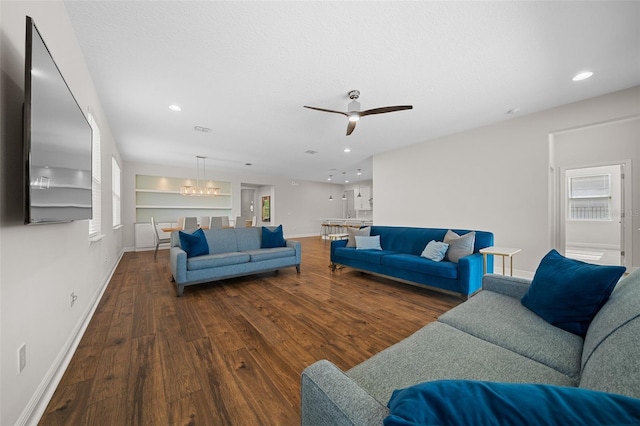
<point>245,70</point>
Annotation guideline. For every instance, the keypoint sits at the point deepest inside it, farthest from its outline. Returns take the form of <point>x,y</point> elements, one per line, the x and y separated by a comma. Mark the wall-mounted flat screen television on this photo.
<point>57,141</point>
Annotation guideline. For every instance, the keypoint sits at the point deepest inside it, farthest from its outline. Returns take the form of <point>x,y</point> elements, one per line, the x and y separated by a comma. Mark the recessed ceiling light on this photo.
<point>582,76</point>
<point>175,108</point>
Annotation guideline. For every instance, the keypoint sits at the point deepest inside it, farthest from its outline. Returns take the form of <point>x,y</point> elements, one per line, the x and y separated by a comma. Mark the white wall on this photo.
<point>296,207</point>
<point>40,265</point>
<point>494,178</point>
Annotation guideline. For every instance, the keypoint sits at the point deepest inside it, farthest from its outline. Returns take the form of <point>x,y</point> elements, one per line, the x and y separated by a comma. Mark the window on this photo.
<point>96,191</point>
<point>590,197</point>
<point>115,191</point>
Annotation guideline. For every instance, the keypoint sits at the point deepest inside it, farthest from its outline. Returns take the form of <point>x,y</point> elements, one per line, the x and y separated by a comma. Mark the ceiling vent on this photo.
<point>202,129</point>
<point>310,151</point>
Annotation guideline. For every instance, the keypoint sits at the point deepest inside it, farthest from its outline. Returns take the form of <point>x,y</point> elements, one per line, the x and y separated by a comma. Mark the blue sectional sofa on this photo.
<point>400,258</point>
<point>232,253</point>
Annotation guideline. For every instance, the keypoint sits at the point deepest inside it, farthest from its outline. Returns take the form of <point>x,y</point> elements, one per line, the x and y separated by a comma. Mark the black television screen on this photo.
<point>57,141</point>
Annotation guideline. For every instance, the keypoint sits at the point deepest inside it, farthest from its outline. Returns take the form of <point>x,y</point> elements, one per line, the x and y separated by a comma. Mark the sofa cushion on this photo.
<point>370,256</point>
<point>195,244</point>
<point>215,260</point>
<point>422,265</point>
<point>221,240</point>
<point>568,293</point>
<point>435,250</point>
<point>272,237</point>
<point>248,238</point>
<point>352,232</point>
<point>368,243</point>
<point>488,403</point>
<point>270,253</point>
<point>611,354</point>
<point>439,351</point>
<point>459,245</point>
<point>503,321</point>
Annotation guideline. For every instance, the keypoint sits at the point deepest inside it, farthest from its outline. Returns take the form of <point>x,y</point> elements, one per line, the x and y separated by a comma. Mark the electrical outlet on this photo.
<point>22,357</point>
<point>72,299</point>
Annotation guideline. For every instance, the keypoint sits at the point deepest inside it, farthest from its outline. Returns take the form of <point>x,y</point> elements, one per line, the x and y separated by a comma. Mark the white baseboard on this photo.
<point>38,403</point>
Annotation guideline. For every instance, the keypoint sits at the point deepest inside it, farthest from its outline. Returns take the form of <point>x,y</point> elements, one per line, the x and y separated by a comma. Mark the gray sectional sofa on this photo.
<point>490,337</point>
<point>233,252</point>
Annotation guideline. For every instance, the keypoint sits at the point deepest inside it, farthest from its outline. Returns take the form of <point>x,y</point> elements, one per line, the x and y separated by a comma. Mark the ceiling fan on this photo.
<point>353,110</point>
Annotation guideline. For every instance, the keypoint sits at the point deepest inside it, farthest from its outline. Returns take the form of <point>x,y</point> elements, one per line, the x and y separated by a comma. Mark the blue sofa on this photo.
<point>233,252</point>
<point>400,258</point>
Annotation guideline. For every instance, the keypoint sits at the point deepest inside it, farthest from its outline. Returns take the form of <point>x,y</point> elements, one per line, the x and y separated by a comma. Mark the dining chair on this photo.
<point>253,221</point>
<point>156,238</point>
<point>205,222</point>
<point>216,222</point>
<point>225,221</point>
<point>180,222</point>
<point>239,222</point>
<point>190,223</point>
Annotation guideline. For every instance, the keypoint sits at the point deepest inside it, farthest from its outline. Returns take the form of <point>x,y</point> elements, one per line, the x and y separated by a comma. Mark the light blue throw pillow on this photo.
<point>368,243</point>
<point>435,250</point>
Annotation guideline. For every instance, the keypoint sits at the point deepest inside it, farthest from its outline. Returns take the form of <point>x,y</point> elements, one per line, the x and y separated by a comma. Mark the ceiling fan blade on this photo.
<point>385,109</point>
<point>351,127</point>
<point>327,110</point>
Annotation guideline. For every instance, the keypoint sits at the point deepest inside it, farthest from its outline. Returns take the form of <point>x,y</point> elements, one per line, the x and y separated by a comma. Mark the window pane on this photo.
<point>96,173</point>
<point>115,180</point>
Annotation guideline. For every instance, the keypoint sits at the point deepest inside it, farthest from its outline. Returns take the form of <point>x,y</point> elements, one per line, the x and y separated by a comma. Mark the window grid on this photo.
<point>590,197</point>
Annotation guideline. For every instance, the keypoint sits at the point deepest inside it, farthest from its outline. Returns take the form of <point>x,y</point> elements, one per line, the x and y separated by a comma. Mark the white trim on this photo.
<point>96,238</point>
<point>37,405</point>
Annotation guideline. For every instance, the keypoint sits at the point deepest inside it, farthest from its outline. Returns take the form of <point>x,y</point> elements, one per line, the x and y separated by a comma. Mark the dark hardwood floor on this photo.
<point>229,352</point>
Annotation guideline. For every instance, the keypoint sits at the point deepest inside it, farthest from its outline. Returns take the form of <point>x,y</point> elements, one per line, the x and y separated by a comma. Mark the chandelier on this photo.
<point>206,189</point>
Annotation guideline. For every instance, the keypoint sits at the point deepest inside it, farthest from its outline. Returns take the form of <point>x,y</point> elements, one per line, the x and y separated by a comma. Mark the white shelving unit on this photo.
<point>160,197</point>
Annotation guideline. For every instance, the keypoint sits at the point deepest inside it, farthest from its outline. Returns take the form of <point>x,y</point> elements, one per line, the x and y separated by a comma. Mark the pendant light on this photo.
<point>359,174</point>
<point>204,190</point>
<point>330,195</point>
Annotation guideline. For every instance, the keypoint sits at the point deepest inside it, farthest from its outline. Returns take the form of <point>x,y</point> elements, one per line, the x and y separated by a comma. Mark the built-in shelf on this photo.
<point>159,197</point>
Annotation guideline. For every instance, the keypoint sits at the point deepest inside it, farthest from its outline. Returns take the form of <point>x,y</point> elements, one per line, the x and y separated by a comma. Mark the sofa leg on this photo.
<point>333,267</point>
<point>298,268</point>
<point>173,280</point>
<point>180,290</point>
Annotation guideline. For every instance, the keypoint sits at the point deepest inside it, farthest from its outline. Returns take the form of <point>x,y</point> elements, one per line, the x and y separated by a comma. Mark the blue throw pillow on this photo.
<point>272,238</point>
<point>468,402</point>
<point>368,243</point>
<point>194,244</point>
<point>435,250</point>
<point>568,293</point>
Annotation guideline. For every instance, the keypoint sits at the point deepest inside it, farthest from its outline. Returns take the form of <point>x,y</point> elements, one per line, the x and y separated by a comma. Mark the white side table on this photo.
<point>499,251</point>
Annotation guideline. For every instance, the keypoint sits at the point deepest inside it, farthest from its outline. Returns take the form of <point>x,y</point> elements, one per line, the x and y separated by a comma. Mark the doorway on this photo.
<point>592,206</point>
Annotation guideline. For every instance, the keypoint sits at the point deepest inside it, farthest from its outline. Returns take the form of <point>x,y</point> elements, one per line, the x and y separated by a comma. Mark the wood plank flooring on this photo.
<point>229,352</point>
